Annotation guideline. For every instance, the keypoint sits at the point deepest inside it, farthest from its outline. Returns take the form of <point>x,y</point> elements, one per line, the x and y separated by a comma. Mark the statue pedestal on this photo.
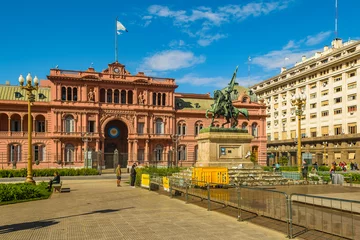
<point>224,147</point>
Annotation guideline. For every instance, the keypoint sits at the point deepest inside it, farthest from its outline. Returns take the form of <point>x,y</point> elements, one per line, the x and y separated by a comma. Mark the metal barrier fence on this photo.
<point>300,212</point>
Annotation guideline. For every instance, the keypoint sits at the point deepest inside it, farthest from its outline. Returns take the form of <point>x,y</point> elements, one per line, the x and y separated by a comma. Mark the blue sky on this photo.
<point>199,43</point>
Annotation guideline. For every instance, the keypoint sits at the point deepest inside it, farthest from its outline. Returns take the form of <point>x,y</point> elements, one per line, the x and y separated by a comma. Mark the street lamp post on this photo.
<point>324,157</point>
<point>86,138</point>
<point>299,101</point>
<point>31,98</point>
<point>176,138</point>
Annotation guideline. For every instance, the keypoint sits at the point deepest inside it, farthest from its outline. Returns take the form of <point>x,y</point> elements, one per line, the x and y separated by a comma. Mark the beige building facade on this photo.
<point>329,131</point>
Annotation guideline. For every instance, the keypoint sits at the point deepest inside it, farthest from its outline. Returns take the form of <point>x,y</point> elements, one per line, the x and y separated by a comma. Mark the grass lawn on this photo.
<point>22,192</point>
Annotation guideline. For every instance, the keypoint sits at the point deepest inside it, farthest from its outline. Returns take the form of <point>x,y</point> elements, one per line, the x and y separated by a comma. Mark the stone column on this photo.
<point>146,130</point>
<point>151,124</point>
<point>130,154</point>
<point>146,151</point>
<point>21,124</point>
<point>135,150</point>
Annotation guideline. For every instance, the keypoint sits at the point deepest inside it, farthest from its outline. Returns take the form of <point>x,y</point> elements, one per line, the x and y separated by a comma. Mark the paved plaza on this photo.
<point>97,209</point>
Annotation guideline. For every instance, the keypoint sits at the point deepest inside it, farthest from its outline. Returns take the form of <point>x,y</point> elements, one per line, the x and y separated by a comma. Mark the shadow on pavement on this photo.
<point>49,222</point>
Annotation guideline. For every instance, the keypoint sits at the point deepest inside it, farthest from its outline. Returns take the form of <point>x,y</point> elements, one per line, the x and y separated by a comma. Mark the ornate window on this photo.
<point>159,126</point>
<point>40,123</point>
<point>254,129</point>
<point>163,99</point>
<point>182,153</point>
<point>109,96</point>
<point>63,93</point>
<point>244,125</point>
<point>74,96</point>
<point>39,152</point>
<point>116,96</point>
<point>14,152</point>
<point>198,127</point>
<point>130,97</point>
<point>69,124</point>
<point>181,128</point>
<point>69,153</point>
<point>158,153</point>
<point>102,95</point>
<point>123,96</point>
<point>69,97</point>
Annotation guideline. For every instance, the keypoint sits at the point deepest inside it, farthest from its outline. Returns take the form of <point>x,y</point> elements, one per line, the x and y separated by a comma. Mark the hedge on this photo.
<point>162,172</point>
<point>295,168</point>
<point>20,192</point>
<point>48,172</point>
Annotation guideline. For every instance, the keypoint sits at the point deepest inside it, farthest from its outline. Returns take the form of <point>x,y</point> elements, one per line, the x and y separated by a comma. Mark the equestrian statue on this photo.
<point>223,106</point>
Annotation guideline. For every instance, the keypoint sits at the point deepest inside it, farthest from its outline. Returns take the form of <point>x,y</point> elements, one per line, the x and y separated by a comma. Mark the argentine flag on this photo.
<point>120,27</point>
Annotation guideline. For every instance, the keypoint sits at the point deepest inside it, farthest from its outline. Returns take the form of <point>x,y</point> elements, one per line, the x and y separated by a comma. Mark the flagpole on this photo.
<point>116,45</point>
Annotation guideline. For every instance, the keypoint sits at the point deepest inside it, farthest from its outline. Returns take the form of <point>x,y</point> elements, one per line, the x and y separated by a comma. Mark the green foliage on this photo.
<point>48,172</point>
<point>153,171</point>
<point>18,192</point>
<point>216,129</point>
<point>326,178</point>
<point>314,178</point>
<point>253,158</point>
<point>283,160</point>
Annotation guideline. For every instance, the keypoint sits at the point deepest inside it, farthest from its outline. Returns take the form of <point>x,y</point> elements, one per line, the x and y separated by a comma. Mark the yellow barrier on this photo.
<point>145,180</point>
<point>166,184</point>
<point>214,175</point>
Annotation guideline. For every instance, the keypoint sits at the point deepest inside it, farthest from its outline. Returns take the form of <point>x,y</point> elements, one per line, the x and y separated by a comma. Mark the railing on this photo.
<point>298,212</point>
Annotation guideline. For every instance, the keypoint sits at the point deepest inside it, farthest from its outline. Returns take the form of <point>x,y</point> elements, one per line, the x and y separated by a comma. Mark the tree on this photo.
<point>283,160</point>
<point>253,158</point>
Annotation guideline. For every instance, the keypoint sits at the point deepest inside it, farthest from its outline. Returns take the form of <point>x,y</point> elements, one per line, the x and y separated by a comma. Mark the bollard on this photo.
<point>170,188</point>
<point>239,204</point>
<point>208,189</point>
<point>290,217</point>
<point>186,193</point>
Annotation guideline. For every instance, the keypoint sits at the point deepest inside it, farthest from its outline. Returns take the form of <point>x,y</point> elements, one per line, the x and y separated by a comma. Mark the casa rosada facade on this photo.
<point>88,118</point>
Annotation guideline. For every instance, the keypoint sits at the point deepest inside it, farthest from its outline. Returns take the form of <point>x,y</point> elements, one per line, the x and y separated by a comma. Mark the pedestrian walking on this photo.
<point>118,175</point>
<point>133,175</point>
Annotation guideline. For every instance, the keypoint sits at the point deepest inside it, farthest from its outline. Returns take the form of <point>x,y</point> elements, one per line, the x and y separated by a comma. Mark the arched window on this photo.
<point>182,153</point>
<point>163,99</point>
<point>245,99</point>
<point>75,94</point>
<point>254,129</point>
<point>216,124</point>
<point>123,96</point>
<point>116,96</point>
<point>159,99</point>
<point>159,126</point>
<point>109,96</point>
<point>102,95</point>
<point>14,152</point>
<point>63,93</point>
<point>39,152</point>
<point>40,123</point>
<point>196,152</point>
<point>130,97</point>
<point>69,124</point>
<point>198,127</point>
<point>69,153</point>
<point>154,98</point>
<point>69,93</point>
<point>244,125</point>
<point>181,128</point>
<point>158,153</point>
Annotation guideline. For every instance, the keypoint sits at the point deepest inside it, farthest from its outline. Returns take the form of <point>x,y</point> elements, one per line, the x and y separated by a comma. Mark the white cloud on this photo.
<point>171,60</point>
<point>293,51</point>
<point>176,43</point>
<point>210,18</point>
<point>318,38</point>
<point>219,82</point>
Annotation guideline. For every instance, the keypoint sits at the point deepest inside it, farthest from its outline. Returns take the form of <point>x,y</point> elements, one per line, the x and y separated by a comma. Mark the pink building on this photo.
<point>84,117</point>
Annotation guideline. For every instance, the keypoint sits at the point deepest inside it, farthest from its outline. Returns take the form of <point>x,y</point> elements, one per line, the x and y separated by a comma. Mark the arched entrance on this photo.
<point>116,135</point>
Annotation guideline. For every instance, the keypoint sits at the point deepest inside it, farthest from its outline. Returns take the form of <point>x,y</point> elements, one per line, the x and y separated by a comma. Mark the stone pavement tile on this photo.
<point>96,209</point>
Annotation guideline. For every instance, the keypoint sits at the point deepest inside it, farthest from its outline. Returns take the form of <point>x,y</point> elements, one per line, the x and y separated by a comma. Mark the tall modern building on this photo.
<point>329,131</point>
<point>92,118</point>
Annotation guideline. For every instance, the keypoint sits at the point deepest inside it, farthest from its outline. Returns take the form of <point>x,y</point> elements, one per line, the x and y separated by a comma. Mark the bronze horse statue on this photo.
<point>223,108</point>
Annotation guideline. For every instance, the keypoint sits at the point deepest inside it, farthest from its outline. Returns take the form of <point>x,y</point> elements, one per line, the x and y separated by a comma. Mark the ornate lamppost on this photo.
<point>86,138</point>
<point>176,138</point>
<point>31,98</point>
<point>324,156</point>
<point>299,101</point>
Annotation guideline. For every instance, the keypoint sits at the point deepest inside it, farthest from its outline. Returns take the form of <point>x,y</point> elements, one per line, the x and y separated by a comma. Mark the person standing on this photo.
<point>118,175</point>
<point>133,175</point>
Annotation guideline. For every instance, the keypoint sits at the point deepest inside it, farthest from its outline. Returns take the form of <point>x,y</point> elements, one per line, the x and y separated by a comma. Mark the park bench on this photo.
<point>57,186</point>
